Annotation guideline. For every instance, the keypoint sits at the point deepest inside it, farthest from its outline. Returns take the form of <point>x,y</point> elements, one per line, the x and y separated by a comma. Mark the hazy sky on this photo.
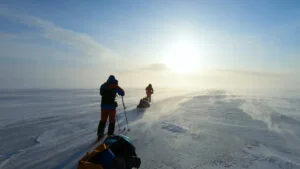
<point>67,44</point>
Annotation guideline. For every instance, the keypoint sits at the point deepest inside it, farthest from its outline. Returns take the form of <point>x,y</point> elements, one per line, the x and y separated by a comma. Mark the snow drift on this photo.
<point>208,129</point>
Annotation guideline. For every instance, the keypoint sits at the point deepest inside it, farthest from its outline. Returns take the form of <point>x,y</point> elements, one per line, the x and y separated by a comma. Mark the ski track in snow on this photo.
<point>211,129</point>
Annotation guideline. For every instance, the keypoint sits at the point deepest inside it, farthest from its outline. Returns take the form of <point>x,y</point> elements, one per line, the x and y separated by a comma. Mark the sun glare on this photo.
<point>182,57</point>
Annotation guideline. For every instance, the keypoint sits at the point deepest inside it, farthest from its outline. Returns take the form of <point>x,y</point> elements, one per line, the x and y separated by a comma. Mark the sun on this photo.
<point>182,57</point>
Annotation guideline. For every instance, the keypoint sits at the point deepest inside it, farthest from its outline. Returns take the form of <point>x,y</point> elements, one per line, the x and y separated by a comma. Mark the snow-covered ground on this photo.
<point>209,129</point>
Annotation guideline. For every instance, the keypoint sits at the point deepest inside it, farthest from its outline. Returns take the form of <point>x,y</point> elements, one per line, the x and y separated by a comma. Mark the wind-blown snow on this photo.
<point>208,129</point>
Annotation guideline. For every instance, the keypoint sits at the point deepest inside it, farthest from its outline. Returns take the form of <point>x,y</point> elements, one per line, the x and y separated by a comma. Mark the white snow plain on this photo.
<point>209,129</point>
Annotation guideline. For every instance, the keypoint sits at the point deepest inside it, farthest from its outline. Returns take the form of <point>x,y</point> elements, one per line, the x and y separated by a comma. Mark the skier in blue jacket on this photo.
<point>108,91</point>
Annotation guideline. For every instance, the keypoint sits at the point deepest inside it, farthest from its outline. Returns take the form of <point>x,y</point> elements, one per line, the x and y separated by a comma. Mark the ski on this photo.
<point>99,140</point>
<point>123,131</point>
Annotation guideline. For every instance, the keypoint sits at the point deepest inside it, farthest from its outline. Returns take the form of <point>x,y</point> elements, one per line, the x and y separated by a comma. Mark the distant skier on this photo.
<point>108,91</point>
<point>149,92</point>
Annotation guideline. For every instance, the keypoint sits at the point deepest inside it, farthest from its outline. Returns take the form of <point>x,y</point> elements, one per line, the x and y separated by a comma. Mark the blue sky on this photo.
<point>79,43</point>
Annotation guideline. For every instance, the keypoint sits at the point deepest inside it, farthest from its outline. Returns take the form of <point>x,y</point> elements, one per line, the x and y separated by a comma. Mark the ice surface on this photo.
<point>211,129</point>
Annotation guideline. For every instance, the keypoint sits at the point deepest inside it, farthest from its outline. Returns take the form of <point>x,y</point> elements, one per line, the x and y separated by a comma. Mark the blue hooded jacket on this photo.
<point>108,91</point>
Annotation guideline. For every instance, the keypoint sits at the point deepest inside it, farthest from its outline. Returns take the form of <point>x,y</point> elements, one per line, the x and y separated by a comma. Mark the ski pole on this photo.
<point>118,122</point>
<point>125,113</point>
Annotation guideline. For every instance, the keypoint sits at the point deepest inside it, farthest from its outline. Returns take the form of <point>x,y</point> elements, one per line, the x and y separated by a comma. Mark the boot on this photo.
<point>101,128</point>
<point>111,129</point>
